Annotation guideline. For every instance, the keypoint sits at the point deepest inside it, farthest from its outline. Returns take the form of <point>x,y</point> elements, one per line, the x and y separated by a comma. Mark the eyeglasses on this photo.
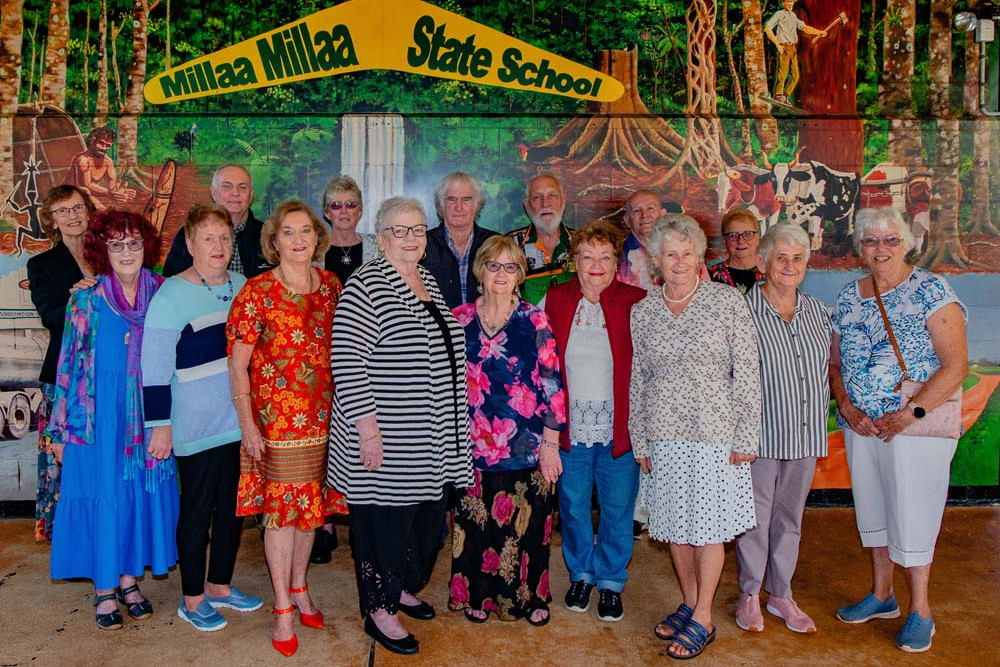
<point>400,231</point>
<point>509,267</point>
<point>748,234</point>
<point>66,211</point>
<point>350,205</point>
<point>874,241</point>
<point>116,247</point>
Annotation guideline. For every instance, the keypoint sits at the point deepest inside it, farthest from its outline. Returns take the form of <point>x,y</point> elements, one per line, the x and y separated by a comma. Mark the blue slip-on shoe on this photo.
<point>869,608</point>
<point>237,600</point>
<point>915,637</point>
<point>204,618</point>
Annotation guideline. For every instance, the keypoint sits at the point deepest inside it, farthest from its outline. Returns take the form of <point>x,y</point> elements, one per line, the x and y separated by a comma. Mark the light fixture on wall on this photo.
<point>981,17</point>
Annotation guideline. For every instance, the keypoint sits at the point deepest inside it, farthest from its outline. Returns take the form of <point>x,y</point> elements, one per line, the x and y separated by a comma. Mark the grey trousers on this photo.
<point>771,550</point>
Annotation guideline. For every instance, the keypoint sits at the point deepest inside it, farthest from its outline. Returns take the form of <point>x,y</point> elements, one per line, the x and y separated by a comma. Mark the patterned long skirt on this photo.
<point>500,547</point>
<point>49,471</point>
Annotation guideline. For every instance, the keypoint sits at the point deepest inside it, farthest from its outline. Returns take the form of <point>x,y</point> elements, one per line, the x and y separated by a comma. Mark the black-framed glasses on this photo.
<point>508,267</point>
<point>350,205</point>
<point>748,234</point>
<point>66,211</point>
<point>135,245</point>
<point>400,231</point>
<point>874,241</point>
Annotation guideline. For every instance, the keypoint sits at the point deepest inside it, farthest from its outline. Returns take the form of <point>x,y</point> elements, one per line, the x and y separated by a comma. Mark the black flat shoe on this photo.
<point>421,612</point>
<point>475,619</point>
<point>112,620</point>
<point>408,645</point>
<point>137,610</point>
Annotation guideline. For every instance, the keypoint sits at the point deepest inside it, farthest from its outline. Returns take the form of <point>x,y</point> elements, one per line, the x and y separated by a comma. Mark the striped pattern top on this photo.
<point>390,360</point>
<point>184,367</point>
<point>794,376</point>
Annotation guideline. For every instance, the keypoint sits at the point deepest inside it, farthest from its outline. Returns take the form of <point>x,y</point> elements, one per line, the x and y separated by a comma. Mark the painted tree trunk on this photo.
<point>702,145</point>
<point>128,124</point>
<point>980,218</point>
<point>753,58</point>
<point>944,247</point>
<point>895,94</point>
<point>11,37</point>
<point>53,85</point>
<point>101,109</point>
<point>828,88</point>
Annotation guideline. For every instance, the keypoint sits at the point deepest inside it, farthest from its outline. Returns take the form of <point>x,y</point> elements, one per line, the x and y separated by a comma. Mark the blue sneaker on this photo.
<point>204,618</point>
<point>237,600</point>
<point>915,637</point>
<point>869,608</point>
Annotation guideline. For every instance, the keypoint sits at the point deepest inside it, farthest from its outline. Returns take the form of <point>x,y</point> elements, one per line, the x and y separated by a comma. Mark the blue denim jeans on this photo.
<point>605,563</point>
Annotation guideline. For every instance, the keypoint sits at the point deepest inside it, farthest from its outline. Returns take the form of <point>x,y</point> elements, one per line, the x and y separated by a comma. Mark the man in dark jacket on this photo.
<point>452,245</point>
<point>232,188</point>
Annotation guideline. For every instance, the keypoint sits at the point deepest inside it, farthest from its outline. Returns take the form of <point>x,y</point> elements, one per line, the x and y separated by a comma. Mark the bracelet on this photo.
<point>377,434</point>
<point>549,443</point>
<point>233,399</point>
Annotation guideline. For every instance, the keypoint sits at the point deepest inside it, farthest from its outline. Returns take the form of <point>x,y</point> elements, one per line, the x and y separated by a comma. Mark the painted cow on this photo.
<point>890,184</point>
<point>812,193</point>
<point>739,186</point>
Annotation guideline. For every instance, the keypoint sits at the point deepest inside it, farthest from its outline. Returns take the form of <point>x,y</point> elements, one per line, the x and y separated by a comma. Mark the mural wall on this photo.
<point>803,111</point>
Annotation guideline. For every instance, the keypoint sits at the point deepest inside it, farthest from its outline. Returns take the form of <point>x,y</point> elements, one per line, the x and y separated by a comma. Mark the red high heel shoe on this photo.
<point>309,620</point>
<point>285,647</point>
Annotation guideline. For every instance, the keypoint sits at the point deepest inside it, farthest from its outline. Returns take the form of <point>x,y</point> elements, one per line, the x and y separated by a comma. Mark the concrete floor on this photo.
<point>45,622</point>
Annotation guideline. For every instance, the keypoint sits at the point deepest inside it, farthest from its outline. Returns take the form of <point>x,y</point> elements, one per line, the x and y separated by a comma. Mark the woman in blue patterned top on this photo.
<point>503,522</point>
<point>900,482</point>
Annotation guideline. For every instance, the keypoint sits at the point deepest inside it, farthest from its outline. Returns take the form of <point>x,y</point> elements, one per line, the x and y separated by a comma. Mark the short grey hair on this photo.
<point>216,175</point>
<point>458,178</point>
<point>675,225</point>
<point>394,207</point>
<point>544,174</point>
<point>782,233</point>
<point>882,218</point>
<point>342,183</point>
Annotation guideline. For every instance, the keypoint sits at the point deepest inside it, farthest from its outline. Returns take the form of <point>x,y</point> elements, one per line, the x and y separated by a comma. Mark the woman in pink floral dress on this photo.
<point>500,557</point>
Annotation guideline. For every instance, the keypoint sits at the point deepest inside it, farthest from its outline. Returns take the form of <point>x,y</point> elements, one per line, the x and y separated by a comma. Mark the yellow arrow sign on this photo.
<point>409,36</point>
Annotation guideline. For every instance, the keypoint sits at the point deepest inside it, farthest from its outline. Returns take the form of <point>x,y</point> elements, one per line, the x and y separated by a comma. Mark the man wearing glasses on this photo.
<point>452,245</point>
<point>232,188</point>
<point>741,233</point>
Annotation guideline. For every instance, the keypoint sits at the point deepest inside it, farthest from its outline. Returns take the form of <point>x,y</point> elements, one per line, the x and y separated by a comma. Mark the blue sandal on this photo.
<point>694,638</point>
<point>676,621</point>
<point>111,620</point>
<point>137,610</point>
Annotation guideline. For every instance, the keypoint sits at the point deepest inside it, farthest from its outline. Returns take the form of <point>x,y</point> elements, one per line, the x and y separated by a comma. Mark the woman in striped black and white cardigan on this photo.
<point>399,434</point>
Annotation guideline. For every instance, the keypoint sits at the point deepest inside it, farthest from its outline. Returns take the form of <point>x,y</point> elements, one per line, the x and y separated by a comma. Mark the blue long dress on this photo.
<point>106,525</point>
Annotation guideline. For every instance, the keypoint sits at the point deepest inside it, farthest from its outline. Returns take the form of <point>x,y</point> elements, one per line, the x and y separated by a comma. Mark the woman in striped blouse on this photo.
<point>793,338</point>
<point>399,434</point>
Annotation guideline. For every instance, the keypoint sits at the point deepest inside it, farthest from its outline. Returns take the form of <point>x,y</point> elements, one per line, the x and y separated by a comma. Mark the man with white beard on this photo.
<point>546,241</point>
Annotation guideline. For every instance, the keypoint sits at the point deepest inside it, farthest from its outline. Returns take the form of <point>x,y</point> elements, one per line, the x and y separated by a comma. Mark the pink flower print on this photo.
<point>503,508</point>
<point>459,590</point>
<point>522,399</point>
<point>558,406</point>
<point>476,490</point>
<point>489,605</point>
<point>547,354</point>
<point>540,319</point>
<point>493,347</point>
<point>543,586</point>
<point>491,438</point>
<point>491,561</point>
<point>547,533</point>
<point>477,383</point>
<point>465,314</point>
<point>524,566</point>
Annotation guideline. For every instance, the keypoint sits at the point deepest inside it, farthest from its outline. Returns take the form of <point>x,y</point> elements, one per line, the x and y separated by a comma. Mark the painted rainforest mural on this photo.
<point>804,111</point>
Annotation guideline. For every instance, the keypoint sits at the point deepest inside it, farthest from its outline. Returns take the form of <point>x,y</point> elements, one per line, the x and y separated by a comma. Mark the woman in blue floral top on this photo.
<point>900,481</point>
<point>503,523</point>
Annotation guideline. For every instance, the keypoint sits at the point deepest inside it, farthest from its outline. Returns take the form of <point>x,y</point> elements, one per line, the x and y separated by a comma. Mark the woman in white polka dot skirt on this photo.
<point>694,420</point>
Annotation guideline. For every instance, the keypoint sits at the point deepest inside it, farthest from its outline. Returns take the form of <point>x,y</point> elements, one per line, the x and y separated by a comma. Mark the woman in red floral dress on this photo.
<point>279,357</point>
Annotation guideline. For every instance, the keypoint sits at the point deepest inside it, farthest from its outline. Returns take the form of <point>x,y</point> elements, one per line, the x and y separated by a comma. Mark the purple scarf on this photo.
<point>137,456</point>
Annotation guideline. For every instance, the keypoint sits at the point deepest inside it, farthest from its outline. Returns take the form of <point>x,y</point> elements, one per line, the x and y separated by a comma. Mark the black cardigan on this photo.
<point>51,274</point>
<point>443,265</point>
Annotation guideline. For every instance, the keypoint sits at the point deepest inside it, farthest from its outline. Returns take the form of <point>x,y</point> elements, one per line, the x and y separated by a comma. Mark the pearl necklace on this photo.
<point>220,297</point>
<point>697,284</point>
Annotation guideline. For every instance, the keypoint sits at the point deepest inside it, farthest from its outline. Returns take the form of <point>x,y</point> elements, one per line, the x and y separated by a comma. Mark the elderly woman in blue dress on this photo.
<point>694,420</point>
<point>793,338</point>
<point>900,481</point>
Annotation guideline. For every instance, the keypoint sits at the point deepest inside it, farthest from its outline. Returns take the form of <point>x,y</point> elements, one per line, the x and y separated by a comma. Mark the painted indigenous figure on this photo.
<point>93,171</point>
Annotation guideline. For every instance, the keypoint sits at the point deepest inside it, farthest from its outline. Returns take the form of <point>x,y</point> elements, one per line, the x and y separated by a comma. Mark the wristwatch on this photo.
<point>918,411</point>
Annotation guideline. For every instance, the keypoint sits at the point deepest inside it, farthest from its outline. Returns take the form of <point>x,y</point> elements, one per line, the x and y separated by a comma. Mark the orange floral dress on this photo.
<point>291,392</point>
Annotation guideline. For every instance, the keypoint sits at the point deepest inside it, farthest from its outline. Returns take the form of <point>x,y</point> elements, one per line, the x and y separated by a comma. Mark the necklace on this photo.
<point>697,284</point>
<point>345,255</point>
<point>220,297</point>
<point>287,286</point>
<point>490,327</point>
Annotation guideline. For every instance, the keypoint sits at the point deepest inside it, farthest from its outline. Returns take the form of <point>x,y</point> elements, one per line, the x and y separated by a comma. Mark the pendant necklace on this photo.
<point>220,297</point>
<point>493,328</point>
<point>345,255</point>
<point>697,283</point>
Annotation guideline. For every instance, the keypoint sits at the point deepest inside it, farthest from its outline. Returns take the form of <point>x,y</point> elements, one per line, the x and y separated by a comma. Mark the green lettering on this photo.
<point>416,57</point>
<point>274,57</point>
<point>245,74</point>
<point>511,65</point>
<point>176,86</point>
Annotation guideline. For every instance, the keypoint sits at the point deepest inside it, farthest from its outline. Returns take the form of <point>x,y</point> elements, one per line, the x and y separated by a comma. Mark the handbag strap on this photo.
<point>888,330</point>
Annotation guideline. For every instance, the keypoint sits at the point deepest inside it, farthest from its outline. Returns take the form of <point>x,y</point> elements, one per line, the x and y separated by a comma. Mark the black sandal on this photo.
<point>111,620</point>
<point>532,610</point>
<point>137,610</point>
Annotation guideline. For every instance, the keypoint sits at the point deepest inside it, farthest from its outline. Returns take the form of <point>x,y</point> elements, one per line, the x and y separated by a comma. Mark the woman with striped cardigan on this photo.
<point>399,433</point>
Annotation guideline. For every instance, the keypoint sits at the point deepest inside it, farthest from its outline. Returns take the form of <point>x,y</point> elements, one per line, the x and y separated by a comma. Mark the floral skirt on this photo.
<point>500,546</point>
<point>285,486</point>
<point>48,475</point>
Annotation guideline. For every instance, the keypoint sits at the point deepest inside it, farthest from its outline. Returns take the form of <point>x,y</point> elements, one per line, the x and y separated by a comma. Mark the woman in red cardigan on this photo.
<point>590,320</point>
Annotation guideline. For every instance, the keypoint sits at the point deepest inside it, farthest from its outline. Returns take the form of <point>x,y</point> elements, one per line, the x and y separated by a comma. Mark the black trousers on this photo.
<point>208,482</point>
<point>394,550</point>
